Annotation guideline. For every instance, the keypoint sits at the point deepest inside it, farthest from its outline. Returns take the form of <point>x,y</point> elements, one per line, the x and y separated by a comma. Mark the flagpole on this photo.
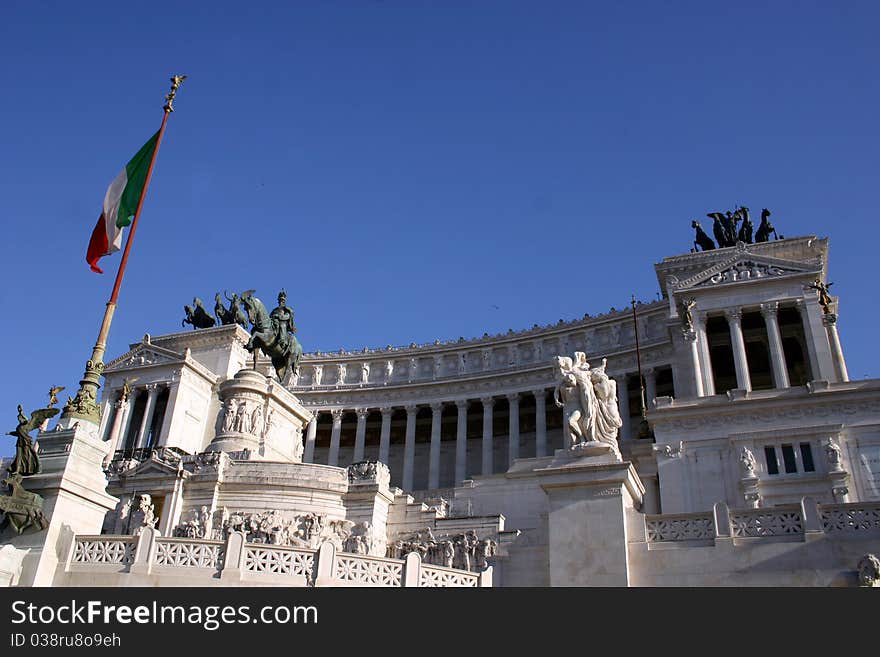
<point>84,406</point>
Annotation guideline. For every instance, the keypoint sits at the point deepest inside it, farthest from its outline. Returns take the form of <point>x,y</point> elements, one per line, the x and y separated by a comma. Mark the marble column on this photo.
<point>309,452</point>
<point>690,338</point>
<point>119,421</point>
<point>623,406</point>
<point>461,441</point>
<point>513,437</point>
<point>540,422</point>
<point>152,394</point>
<point>740,360</point>
<point>488,407</point>
<point>335,436</point>
<point>360,434</point>
<point>705,354</point>
<point>409,447</point>
<point>814,335</point>
<point>650,386</point>
<point>385,434</point>
<point>774,338</point>
<point>830,322</point>
<point>434,456</point>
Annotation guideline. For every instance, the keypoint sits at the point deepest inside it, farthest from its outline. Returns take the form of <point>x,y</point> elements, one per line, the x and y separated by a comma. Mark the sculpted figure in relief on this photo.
<point>319,371</point>
<point>255,420</point>
<point>240,414</point>
<point>229,417</point>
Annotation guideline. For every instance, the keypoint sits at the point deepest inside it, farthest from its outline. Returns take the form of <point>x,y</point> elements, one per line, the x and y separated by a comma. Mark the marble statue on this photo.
<point>588,398</point>
<point>340,373</point>
<point>869,570</point>
<point>365,373</point>
<point>832,454</point>
<point>747,463</point>
<point>319,371</point>
<point>685,310</point>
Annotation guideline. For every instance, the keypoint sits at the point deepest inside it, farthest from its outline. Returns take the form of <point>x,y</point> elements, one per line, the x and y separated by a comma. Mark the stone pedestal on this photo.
<point>259,419</point>
<point>591,502</point>
<point>73,487</point>
<point>368,500</point>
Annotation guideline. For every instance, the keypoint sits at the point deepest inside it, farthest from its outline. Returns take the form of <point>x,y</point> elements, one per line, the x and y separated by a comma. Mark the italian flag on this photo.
<point>120,204</point>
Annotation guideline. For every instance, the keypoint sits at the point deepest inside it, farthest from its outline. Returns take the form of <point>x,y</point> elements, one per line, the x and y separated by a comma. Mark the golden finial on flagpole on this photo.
<point>175,85</point>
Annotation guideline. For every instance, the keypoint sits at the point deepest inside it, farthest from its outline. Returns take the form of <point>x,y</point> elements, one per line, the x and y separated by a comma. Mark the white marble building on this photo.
<point>763,468</point>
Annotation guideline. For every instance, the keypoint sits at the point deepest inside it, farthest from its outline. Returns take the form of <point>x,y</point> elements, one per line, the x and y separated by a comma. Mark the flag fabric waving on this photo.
<point>120,204</point>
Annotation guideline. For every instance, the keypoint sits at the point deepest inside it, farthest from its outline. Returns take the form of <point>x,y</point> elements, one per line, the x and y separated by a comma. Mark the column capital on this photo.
<point>362,413</point>
<point>386,411</point>
<point>462,404</point>
<point>733,315</point>
<point>411,409</point>
<point>539,393</point>
<point>770,309</point>
<point>152,388</point>
<point>700,319</point>
<point>513,397</point>
<point>437,407</point>
<point>488,401</point>
<point>337,414</point>
<point>120,404</point>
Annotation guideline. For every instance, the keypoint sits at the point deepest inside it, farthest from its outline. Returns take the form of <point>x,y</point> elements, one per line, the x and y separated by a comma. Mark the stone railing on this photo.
<point>104,550</point>
<point>150,559</point>
<point>680,527</point>
<point>856,517</point>
<point>791,520</point>
<point>770,521</point>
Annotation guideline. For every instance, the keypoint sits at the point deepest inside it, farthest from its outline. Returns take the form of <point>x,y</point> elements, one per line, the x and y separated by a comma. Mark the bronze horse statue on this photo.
<point>285,351</point>
<point>236,314</point>
<point>764,230</point>
<point>704,241</point>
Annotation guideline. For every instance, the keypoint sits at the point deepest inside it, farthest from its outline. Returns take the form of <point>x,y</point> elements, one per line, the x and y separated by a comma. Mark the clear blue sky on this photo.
<point>419,170</point>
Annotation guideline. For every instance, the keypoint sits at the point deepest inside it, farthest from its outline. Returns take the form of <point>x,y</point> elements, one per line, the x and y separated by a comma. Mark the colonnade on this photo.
<point>818,361</point>
<point>487,443</point>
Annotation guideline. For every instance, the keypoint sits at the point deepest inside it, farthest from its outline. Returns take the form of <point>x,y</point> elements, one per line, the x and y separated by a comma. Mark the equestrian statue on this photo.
<point>273,334</point>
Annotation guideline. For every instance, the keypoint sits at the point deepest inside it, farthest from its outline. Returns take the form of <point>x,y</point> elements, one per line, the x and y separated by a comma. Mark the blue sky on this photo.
<point>419,170</point>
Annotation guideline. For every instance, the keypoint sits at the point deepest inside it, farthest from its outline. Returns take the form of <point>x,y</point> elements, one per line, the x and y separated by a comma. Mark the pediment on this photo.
<point>743,266</point>
<point>143,355</point>
<point>153,466</point>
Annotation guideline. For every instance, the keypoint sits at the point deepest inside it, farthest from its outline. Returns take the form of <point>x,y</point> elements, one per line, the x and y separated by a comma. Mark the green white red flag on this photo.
<point>120,205</point>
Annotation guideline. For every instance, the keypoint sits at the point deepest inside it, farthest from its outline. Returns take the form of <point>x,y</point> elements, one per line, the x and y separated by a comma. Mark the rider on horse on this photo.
<point>282,321</point>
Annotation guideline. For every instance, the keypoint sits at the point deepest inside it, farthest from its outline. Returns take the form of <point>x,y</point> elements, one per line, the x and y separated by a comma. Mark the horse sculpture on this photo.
<point>702,239</point>
<point>764,230</point>
<point>745,231</point>
<point>236,314</point>
<point>220,311</point>
<point>285,353</point>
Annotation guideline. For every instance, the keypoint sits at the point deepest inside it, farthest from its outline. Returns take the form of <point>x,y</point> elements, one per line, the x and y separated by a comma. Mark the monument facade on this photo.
<point>675,442</point>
